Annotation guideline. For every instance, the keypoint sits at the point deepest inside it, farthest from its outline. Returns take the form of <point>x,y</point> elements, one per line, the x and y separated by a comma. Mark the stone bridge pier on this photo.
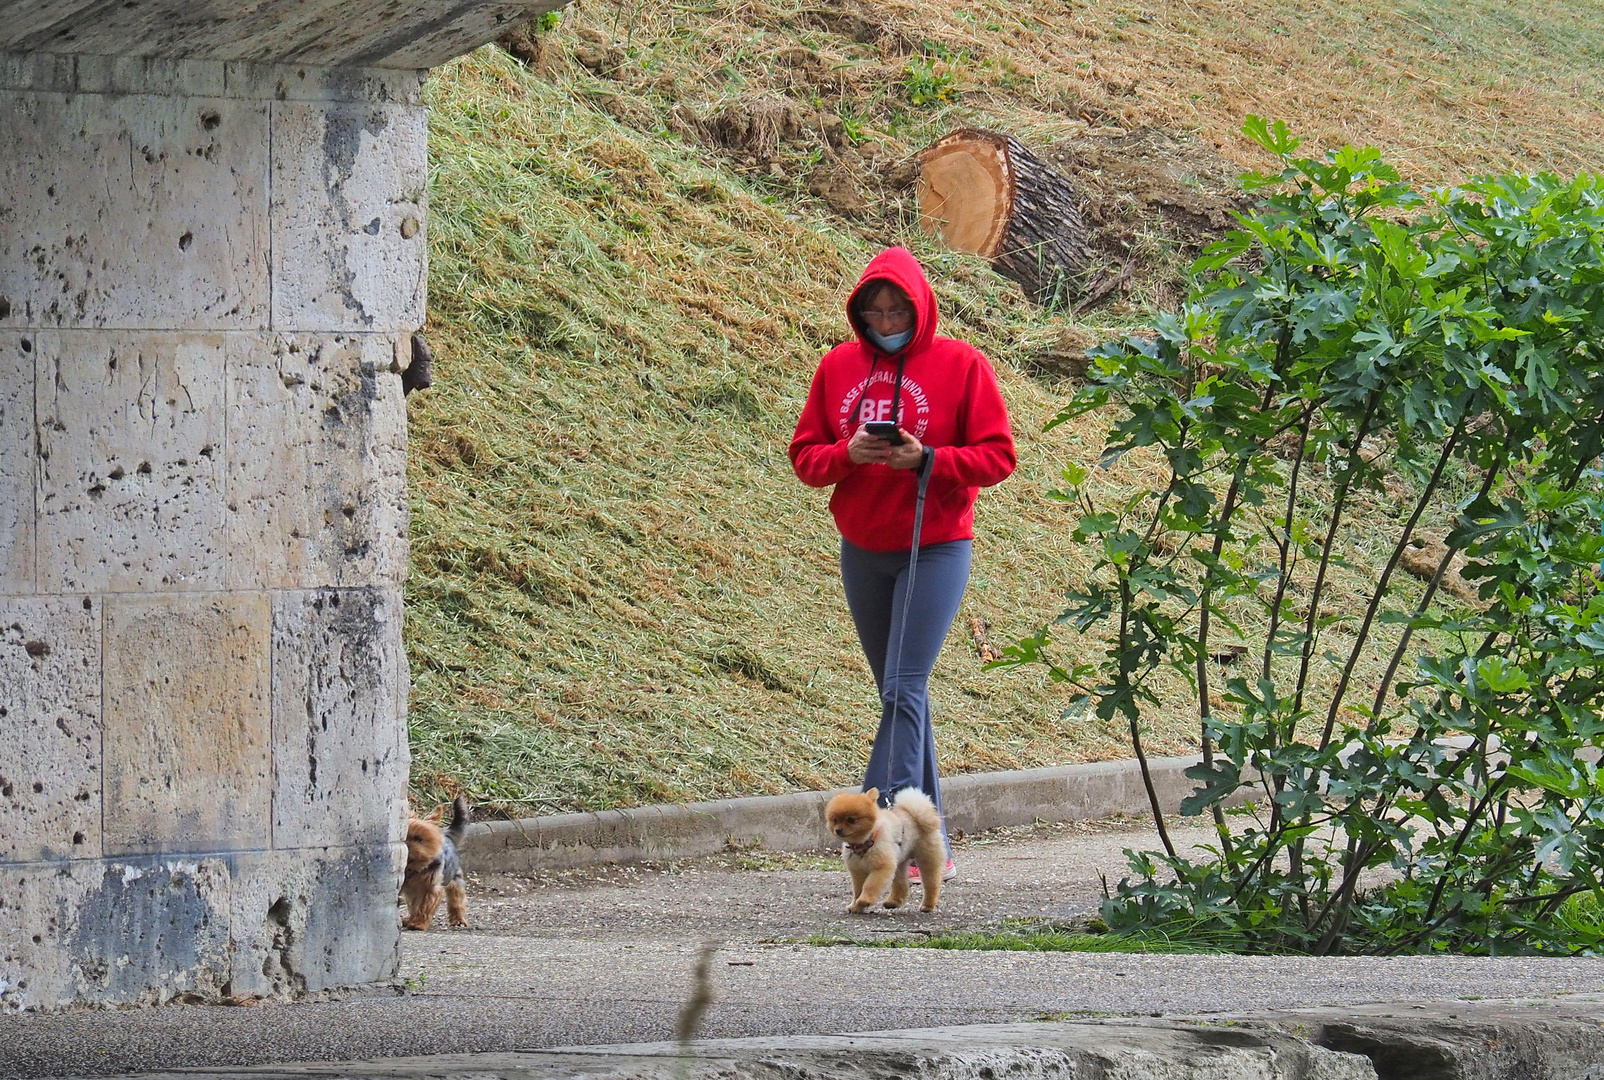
<point>211,256</point>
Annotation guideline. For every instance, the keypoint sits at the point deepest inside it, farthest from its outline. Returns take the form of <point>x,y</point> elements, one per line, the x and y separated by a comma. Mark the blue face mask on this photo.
<point>889,343</point>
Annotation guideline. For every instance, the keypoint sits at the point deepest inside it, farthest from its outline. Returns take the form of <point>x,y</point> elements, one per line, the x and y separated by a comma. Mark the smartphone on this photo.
<point>885,429</point>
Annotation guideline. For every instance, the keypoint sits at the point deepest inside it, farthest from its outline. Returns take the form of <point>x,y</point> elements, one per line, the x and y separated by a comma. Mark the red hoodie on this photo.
<point>950,401</point>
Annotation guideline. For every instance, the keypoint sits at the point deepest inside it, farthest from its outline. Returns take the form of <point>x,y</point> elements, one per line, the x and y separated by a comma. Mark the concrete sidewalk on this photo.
<point>604,956</point>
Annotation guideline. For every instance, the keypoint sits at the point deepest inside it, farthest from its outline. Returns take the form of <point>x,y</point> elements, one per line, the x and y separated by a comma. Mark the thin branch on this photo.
<point>1459,842</point>
<point>1283,347</point>
<point>1350,880</point>
<point>1204,712</point>
<point>1498,868</point>
<point>1552,900</point>
<point>1420,609</point>
<point>1295,849</point>
<point>1128,703</point>
<point>1284,544</point>
<point>1386,577</point>
<point>1348,474</point>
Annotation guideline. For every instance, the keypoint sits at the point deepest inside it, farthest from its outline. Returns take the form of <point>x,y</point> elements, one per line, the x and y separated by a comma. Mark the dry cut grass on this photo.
<point>1445,88</point>
<point>619,592</point>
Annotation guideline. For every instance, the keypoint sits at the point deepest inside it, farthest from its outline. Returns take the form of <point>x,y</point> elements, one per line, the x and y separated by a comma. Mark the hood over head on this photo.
<point>899,267</point>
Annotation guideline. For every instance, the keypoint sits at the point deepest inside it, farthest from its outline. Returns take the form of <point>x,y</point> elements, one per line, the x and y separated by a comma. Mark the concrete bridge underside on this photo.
<point>211,260</point>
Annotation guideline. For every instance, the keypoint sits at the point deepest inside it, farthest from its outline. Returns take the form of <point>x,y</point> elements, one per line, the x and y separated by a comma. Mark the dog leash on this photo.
<point>926,465</point>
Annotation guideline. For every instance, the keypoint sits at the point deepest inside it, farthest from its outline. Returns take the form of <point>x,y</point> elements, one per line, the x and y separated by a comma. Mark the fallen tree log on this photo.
<point>983,192</point>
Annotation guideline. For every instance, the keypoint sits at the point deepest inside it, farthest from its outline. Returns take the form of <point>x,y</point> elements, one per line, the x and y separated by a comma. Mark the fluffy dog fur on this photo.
<point>433,869</point>
<point>879,844</point>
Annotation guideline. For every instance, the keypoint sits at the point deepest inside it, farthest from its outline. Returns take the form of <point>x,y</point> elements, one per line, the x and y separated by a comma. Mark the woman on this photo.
<point>942,397</point>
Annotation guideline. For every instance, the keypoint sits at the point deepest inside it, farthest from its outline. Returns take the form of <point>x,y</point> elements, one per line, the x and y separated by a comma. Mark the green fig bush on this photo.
<point>1405,771</point>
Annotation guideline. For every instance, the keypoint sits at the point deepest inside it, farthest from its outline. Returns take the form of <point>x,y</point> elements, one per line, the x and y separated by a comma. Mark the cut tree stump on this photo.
<point>982,192</point>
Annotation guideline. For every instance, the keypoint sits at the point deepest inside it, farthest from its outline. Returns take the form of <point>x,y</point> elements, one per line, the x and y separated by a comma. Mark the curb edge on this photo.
<point>974,802</point>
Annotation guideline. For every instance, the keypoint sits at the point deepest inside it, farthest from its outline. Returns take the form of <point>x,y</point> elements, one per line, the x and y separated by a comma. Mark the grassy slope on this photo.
<point>619,594</point>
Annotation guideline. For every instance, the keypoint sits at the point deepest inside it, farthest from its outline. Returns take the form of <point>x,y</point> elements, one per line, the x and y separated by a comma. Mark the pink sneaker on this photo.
<point>948,872</point>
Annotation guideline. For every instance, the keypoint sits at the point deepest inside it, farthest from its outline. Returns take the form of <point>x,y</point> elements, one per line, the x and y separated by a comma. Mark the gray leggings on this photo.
<point>876,582</point>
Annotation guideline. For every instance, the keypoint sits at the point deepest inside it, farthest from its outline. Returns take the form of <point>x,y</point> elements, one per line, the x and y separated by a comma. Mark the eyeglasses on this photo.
<point>893,317</point>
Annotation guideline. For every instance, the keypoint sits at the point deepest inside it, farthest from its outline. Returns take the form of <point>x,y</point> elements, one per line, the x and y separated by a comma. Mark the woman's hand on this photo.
<point>866,449</point>
<point>908,455</point>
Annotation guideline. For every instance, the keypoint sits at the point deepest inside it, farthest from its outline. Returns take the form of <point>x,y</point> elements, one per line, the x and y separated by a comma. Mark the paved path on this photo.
<point>604,956</point>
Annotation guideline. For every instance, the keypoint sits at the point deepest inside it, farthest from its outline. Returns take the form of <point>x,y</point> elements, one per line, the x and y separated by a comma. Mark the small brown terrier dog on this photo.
<point>433,869</point>
<point>879,844</point>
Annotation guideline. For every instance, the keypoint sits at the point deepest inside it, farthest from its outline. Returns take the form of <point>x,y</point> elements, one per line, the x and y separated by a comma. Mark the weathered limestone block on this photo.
<point>17,463</point>
<point>133,211</point>
<point>339,728</point>
<point>50,727</point>
<point>131,444</point>
<point>316,462</point>
<point>187,725</point>
<point>148,929</point>
<point>313,919</point>
<point>132,485</point>
<point>349,195</point>
<point>112,932</point>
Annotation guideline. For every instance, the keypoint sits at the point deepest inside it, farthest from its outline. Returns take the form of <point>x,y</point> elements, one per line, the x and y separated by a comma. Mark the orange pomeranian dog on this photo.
<point>879,844</point>
<point>433,869</point>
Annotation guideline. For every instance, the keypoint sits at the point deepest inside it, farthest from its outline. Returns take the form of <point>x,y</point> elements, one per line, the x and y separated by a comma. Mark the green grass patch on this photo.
<point>1046,938</point>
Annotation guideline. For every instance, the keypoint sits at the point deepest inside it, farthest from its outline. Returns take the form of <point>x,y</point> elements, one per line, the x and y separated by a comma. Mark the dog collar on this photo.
<point>863,848</point>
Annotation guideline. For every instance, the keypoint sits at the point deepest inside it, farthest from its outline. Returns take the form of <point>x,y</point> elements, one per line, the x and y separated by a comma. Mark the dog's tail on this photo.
<point>459,819</point>
<point>920,808</point>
